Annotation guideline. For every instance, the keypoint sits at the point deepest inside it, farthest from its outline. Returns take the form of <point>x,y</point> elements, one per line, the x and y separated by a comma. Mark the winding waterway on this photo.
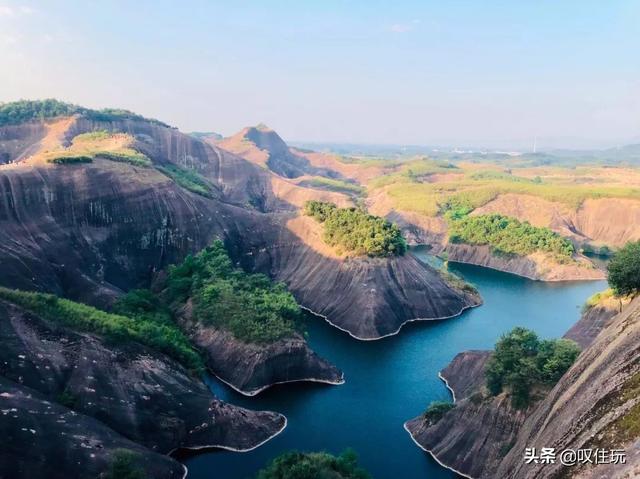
<point>394,379</point>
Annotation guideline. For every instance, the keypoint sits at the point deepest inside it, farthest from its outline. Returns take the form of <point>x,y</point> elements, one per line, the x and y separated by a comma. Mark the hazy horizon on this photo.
<point>452,74</point>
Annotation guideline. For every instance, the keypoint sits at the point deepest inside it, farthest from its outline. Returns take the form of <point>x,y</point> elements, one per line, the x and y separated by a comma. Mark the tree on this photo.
<point>123,466</point>
<point>436,410</point>
<point>521,359</point>
<point>314,465</point>
<point>624,270</point>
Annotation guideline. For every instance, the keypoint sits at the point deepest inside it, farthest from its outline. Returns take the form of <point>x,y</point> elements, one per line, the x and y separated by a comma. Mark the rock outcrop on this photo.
<point>604,221</point>
<point>263,146</point>
<point>137,392</point>
<point>91,231</point>
<point>473,437</point>
<point>596,404</point>
<point>252,368</point>
<point>536,266</point>
<point>43,439</point>
<point>116,394</point>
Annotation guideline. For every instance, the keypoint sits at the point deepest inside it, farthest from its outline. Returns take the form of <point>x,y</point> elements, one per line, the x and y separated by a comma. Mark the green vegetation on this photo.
<point>123,466</point>
<point>132,157</point>
<point>507,235</point>
<point>456,280</point>
<point>250,306</point>
<point>188,179</point>
<point>624,270</point>
<point>70,159</point>
<point>314,465</point>
<point>436,410</point>
<point>67,399</point>
<point>26,110</point>
<point>521,360</point>
<point>99,144</point>
<point>597,298</point>
<point>476,189</point>
<point>335,185</point>
<point>355,231</point>
<point>413,171</point>
<point>163,336</point>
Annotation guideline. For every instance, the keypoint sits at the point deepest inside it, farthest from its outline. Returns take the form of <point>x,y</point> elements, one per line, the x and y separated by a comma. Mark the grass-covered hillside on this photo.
<point>28,110</point>
<point>354,231</point>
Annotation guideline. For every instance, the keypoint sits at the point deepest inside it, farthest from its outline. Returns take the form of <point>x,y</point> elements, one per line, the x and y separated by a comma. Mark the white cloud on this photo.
<point>8,40</point>
<point>8,11</point>
<point>403,27</point>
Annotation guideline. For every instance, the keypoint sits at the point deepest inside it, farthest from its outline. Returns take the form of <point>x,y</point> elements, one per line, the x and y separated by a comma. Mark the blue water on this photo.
<point>393,379</point>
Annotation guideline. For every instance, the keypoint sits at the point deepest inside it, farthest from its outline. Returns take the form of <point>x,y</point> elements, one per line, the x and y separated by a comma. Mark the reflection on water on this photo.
<point>392,380</point>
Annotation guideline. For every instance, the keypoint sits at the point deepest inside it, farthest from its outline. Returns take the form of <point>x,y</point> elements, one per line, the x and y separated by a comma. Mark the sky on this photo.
<point>459,73</point>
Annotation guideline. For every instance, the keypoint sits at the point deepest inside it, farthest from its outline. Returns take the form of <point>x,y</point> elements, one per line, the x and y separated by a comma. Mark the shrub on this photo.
<point>335,185</point>
<point>314,465</point>
<point>70,159</point>
<point>26,110</point>
<point>356,231</point>
<point>508,235</point>
<point>521,359</point>
<point>123,466</point>
<point>624,270</point>
<point>250,306</point>
<point>188,179</point>
<point>132,157</point>
<point>436,410</point>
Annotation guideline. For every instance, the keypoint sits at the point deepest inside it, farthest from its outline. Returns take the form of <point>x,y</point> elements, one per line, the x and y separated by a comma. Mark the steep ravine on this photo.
<point>593,405</point>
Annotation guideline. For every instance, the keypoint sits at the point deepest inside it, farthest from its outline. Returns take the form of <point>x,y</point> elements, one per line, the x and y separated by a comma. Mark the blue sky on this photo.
<point>424,72</point>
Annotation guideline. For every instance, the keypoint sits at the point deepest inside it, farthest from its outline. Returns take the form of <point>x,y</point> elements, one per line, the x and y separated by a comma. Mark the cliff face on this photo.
<point>472,438</point>
<point>368,297</point>
<point>252,368</point>
<point>596,404</point>
<point>536,266</point>
<point>91,231</point>
<point>610,221</point>
<point>264,146</point>
<point>43,439</point>
<point>131,391</point>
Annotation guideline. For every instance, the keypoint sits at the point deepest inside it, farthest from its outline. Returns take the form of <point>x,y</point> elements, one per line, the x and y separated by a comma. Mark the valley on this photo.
<point>214,271</point>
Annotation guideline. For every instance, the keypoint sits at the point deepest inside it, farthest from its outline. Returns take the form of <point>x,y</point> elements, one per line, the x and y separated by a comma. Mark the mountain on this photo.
<point>95,204</point>
<point>595,405</point>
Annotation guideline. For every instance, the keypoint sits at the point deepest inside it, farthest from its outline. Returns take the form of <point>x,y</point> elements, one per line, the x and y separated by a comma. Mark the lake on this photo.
<point>392,380</point>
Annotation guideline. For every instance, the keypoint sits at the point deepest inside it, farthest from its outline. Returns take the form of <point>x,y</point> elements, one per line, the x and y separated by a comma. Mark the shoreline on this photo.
<point>255,392</point>
<point>465,308</point>
<point>432,454</point>
<point>226,448</point>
